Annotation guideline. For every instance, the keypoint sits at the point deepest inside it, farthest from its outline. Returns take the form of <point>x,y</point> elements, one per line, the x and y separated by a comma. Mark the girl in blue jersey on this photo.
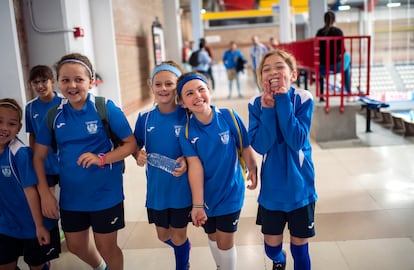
<point>91,190</point>
<point>217,186</point>
<point>168,192</point>
<point>41,82</point>
<point>23,229</point>
<point>279,129</point>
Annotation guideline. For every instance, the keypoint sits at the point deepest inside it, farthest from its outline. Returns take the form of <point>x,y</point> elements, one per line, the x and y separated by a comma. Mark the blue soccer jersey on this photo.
<point>281,134</point>
<point>216,145</point>
<point>17,173</point>
<point>159,134</point>
<point>35,111</point>
<point>78,132</point>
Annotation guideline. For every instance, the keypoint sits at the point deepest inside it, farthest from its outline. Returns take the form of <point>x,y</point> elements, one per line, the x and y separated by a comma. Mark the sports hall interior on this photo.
<point>365,211</point>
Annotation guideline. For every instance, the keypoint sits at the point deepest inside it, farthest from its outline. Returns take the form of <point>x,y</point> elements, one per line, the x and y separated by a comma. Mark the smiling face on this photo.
<point>43,87</point>
<point>74,83</point>
<point>10,125</point>
<point>276,70</point>
<point>164,86</point>
<point>195,96</point>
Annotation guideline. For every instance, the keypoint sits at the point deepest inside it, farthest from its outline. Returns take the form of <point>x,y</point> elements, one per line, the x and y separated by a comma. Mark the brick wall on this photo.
<point>133,20</point>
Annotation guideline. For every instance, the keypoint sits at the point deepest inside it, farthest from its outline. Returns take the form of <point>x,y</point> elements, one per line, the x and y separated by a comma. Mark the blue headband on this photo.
<point>188,78</point>
<point>169,68</point>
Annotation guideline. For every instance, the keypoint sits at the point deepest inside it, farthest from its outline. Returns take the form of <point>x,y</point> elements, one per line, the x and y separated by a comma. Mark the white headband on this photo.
<point>78,62</point>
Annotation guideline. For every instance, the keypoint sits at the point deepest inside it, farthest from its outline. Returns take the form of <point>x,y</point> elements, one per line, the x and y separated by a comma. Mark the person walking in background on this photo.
<point>210,68</point>
<point>204,61</point>
<point>41,82</point>
<point>188,49</point>
<point>168,199</point>
<point>231,60</point>
<point>273,43</point>
<point>257,52</point>
<point>91,181</point>
<point>215,136</point>
<point>329,30</point>
<point>23,229</point>
<point>279,129</point>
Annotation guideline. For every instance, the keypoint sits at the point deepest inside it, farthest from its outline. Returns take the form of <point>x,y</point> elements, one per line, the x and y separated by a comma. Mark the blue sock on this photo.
<point>275,253</point>
<point>46,266</point>
<point>182,254</point>
<point>169,242</point>
<point>301,257</point>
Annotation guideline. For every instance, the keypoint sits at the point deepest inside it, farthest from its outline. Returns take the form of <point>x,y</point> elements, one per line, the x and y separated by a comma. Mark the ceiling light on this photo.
<point>344,7</point>
<point>390,5</point>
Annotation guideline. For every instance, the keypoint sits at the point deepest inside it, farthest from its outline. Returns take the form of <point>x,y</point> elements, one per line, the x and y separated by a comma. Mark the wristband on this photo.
<point>103,160</point>
<point>198,206</point>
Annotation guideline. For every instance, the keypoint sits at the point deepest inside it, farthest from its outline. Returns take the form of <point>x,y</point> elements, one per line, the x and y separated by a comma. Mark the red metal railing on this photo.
<point>307,53</point>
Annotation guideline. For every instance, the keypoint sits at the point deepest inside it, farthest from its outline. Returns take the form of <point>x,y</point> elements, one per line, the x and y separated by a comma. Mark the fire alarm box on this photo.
<point>78,32</point>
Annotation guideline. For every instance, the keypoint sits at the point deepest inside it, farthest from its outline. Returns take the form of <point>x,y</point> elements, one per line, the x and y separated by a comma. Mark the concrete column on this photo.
<point>172,30</point>
<point>196,22</point>
<point>11,76</point>
<point>317,10</point>
<point>285,26</point>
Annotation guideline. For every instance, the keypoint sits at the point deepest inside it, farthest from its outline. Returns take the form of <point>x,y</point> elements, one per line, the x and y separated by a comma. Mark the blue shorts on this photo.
<point>102,221</point>
<point>226,223</point>
<point>34,255</point>
<point>171,217</point>
<point>300,221</point>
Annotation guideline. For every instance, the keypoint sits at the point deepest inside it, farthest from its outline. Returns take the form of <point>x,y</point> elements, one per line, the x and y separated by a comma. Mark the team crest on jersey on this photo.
<point>92,127</point>
<point>6,171</point>
<point>177,130</point>
<point>224,137</point>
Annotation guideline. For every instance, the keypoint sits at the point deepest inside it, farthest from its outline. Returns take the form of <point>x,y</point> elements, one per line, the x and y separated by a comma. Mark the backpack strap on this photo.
<point>50,120</point>
<point>234,125</point>
<point>226,112</point>
<point>100,105</point>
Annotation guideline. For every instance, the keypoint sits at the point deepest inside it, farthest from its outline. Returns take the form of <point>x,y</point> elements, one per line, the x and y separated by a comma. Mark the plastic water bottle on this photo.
<point>162,162</point>
<point>412,115</point>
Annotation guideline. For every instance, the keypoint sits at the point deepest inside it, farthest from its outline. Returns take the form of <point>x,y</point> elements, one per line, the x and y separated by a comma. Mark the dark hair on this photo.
<point>77,57</point>
<point>12,104</point>
<point>40,71</point>
<point>329,19</point>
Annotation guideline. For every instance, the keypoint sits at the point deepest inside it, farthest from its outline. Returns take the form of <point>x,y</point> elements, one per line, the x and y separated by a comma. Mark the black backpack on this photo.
<point>194,59</point>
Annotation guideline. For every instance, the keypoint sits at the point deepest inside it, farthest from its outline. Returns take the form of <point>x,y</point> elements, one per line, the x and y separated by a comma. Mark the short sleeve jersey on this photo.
<point>216,145</point>
<point>159,133</point>
<point>17,173</point>
<point>35,111</point>
<point>78,132</point>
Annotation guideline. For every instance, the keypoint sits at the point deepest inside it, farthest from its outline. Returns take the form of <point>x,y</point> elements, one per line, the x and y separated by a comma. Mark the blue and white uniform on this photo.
<point>35,111</point>
<point>216,145</point>
<point>78,132</point>
<point>281,135</point>
<point>159,133</point>
<point>17,173</point>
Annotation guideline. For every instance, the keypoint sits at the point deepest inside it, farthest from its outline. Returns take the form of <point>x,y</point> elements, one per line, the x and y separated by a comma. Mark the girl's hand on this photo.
<point>88,159</point>
<point>198,216</point>
<point>43,236</point>
<point>267,100</point>
<point>278,86</point>
<point>182,169</point>
<point>141,158</point>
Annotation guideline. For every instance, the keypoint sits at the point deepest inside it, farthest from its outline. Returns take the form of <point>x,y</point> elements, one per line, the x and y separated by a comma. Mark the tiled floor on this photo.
<point>364,215</point>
